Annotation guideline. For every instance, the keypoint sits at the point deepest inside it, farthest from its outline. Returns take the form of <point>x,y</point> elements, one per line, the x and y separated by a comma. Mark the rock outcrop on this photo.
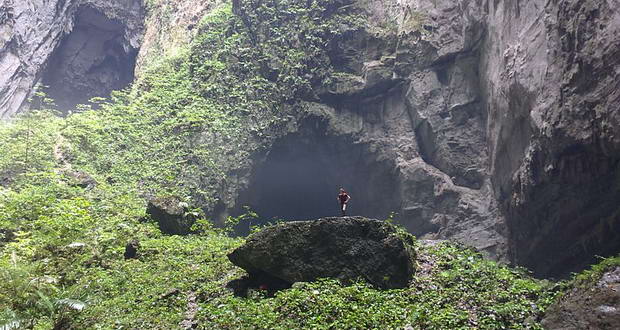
<point>131,249</point>
<point>553,89</point>
<point>80,48</point>
<point>346,248</point>
<point>171,214</point>
<point>589,306</point>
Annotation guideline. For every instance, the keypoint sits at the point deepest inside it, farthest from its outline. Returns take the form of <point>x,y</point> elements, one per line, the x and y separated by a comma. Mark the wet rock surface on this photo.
<point>345,248</point>
<point>593,306</point>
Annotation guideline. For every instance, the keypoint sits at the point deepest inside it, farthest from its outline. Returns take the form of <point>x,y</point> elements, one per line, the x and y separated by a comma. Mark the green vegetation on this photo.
<point>592,275</point>
<point>189,122</point>
<point>454,288</point>
<point>195,117</point>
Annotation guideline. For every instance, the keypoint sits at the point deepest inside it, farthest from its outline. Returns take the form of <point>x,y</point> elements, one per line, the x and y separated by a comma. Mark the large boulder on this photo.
<point>594,305</point>
<point>344,248</point>
<point>171,214</point>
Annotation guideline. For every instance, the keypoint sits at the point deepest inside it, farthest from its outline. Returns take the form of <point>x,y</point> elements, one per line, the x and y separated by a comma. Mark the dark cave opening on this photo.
<point>93,60</point>
<point>301,175</point>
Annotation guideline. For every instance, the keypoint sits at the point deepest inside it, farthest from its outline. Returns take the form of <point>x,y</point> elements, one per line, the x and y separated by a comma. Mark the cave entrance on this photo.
<point>91,61</point>
<point>301,175</point>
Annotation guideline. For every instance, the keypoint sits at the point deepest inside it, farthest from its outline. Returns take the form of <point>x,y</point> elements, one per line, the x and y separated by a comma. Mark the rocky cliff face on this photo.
<point>80,48</point>
<point>483,121</point>
<point>170,25</point>
<point>552,91</point>
<point>402,127</point>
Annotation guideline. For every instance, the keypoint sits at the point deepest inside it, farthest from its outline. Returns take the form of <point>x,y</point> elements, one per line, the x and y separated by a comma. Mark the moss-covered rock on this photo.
<point>171,215</point>
<point>345,248</point>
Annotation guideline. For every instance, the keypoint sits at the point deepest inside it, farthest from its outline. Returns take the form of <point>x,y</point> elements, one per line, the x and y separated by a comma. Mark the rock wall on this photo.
<point>552,80</point>
<point>407,99</point>
<point>169,26</point>
<point>31,31</point>
<point>515,102</point>
<point>499,120</point>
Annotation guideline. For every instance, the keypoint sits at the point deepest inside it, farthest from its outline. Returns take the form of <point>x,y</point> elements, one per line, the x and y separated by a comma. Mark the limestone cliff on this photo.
<point>170,25</point>
<point>552,78</point>
<point>403,126</point>
<point>484,121</point>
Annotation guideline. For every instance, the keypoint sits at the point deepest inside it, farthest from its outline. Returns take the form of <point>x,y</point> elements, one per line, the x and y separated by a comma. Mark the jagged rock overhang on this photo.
<point>92,60</point>
<point>25,52</point>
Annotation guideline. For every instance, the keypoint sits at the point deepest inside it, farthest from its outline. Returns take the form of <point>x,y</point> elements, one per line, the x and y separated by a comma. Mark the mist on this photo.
<point>302,174</point>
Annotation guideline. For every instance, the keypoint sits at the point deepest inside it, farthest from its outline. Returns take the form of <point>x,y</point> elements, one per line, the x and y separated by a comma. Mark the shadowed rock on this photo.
<point>171,215</point>
<point>344,248</point>
<point>131,249</point>
<point>79,48</point>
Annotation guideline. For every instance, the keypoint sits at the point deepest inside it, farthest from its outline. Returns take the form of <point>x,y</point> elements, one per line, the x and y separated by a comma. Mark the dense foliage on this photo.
<point>453,288</point>
<point>73,189</point>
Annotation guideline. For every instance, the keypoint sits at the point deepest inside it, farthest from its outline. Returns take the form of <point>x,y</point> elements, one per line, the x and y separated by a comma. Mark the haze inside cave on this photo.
<point>301,177</point>
<point>91,61</point>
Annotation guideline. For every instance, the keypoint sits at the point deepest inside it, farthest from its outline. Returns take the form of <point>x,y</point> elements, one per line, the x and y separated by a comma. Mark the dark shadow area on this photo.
<point>300,178</point>
<point>91,61</point>
<point>261,281</point>
<point>571,219</point>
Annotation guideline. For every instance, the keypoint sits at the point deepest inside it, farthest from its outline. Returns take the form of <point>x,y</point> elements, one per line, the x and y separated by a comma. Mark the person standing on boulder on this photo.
<point>343,198</point>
